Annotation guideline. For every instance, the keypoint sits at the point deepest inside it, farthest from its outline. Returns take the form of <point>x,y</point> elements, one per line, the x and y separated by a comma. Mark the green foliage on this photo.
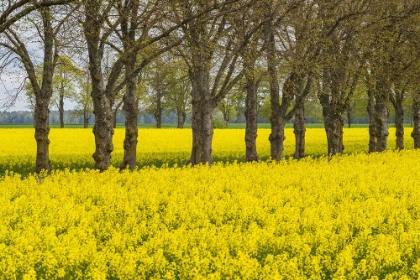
<point>219,123</point>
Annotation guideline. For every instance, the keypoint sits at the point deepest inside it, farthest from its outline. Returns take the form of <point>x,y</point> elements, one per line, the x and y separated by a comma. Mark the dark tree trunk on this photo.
<point>349,116</point>
<point>158,112</point>
<point>202,110</point>
<point>115,113</point>
<point>416,121</point>
<point>251,114</point>
<point>102,129</point>
<point>334,124</point>
<point>42,130</point>
<point>277,137</point>
<point>299,130</point>
<point>131,112</point>
<point>397,97</point>
<point>85,121</point>
<point>41,112</point>
<point>335,100</point>
<point>381,123</point>
<point>372,128</point>
<point>114,117</point>
<point>102,98</point>
<point>333,120</point>
<point>277,120</point>
<point>399,126</point>
<point>182,117</point>
<point>61,105</point>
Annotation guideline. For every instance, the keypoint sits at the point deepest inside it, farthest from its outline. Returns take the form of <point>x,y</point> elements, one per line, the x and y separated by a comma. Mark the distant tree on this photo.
<point>64,84</point>
<point>83,99</point>
<point>178,98</point>
<point>156,78</point>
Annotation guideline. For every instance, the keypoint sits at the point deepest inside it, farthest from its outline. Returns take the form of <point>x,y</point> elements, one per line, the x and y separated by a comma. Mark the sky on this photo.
<point>8,91</point>
<point>8,94</point>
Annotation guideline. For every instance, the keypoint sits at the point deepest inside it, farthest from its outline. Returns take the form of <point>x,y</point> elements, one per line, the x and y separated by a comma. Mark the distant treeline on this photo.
<point>26,117</point>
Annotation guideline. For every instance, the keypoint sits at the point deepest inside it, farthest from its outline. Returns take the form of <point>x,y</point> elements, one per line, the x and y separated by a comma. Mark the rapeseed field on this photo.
<point>355,216</point>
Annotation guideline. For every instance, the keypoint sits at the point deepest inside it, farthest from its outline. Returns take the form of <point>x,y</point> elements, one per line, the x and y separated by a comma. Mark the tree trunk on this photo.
<point>42,130</point>
<point>85,122</point>
<point>182,117</point>
<point>372,128</point>
<point>102,105</point>
<point>41,111</point>
<point>333,107</point>
<point>349,116</point>
<point>226,116</point>
<point>103,129</point>
<point>61,105</point>
<point>158,113</point>
<point>334,128</point>
<point>251,114</point>
<point>416,121</point>
<point>381,123</point>
<point>277,138</point>
<point>131,112</point>
<point>399,126</point>
<point>299,130</point>
<point>277,121</point>
<point>202,110</point>
<point>114,117</point>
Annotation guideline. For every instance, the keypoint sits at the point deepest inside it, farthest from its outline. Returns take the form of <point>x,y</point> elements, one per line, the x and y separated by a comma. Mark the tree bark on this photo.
<point>131,110</point>
<point>102,129</point>
<point>349,116</point>
<point>416,121</point>
<point>372,128</point>
<point>251,114</point>
<point>182,117</point>
<point>42,130</point>
<point>115,113</point>
<point>381,122</point>
<point>85,122</point>
<point>158,111</point>
<point>41,112</point>
<point>202,110</point>
<point>61,105</point>
<point>102,98</point>
<point>299,130</point>
<point>333,120</point>
<point>399,126</point>
<point>277,121</point>
<point>334,129</point>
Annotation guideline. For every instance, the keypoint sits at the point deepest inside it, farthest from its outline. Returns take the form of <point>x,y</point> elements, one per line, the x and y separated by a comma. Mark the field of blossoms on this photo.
<point>355,216</point>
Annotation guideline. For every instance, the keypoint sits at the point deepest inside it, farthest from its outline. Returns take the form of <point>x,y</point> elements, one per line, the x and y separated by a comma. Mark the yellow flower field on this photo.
<point>355,216</point>
<point>73,148</point>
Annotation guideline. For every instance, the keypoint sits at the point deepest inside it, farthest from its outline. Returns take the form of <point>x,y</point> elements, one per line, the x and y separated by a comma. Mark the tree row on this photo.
<point>207,53</point>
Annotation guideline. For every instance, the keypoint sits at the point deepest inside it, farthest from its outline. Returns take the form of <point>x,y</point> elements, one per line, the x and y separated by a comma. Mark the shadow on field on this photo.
<point>26,165</point>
